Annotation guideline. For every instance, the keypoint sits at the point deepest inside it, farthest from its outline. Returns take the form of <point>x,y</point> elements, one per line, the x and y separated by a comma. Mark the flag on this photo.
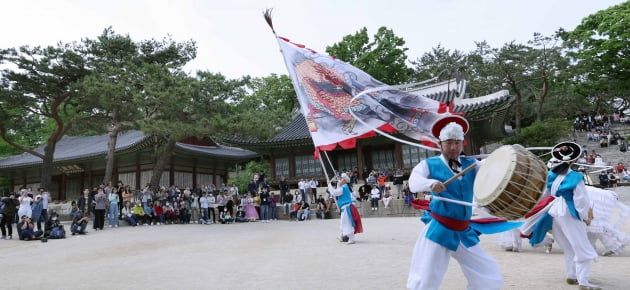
<point>342,103</point>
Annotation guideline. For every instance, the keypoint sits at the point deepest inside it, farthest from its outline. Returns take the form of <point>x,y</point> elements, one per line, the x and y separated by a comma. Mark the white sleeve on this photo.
<point>419,178</point>
<point>581,200</point>
<point>335,191</point>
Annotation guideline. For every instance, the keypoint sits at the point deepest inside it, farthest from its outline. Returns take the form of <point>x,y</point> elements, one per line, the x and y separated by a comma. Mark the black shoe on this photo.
<point>572,281</point>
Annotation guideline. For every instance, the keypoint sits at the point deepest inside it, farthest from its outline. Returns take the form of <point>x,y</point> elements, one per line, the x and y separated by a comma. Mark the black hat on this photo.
<point>566,151</point>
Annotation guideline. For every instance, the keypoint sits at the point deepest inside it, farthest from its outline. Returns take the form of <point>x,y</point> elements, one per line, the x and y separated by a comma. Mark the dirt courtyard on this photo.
<point>275,255</point>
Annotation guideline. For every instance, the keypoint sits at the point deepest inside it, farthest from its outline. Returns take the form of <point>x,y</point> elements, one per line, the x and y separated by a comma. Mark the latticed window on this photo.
<point>307,166</point>
<point>183,179</point>
<point>347,161</point>
<point>128,178</point>
<point>412,155</point>
<point>204,179</point>
<point>383,159</point>
<point>282,166</point>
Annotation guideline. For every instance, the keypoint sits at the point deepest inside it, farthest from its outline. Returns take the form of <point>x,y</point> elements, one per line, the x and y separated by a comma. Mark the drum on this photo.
<point>510,182</point>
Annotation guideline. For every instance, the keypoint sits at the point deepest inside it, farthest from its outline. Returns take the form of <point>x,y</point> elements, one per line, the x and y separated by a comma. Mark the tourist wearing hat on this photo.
<point>568,215</point>
<point>350,219</point>
<point>447,233</point>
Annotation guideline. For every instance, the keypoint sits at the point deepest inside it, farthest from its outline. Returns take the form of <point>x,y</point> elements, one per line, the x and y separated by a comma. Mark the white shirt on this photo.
<point>45,200</point>
<point>203,201</point>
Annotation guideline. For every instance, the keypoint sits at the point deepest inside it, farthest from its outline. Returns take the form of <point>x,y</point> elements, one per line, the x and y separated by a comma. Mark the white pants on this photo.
<point>570,234</point>
<point>345,225</point>
<point>430,262</point>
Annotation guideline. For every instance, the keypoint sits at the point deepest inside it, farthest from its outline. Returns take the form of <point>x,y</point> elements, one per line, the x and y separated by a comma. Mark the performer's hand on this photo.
<point>438,187</point>
<point>587,222</point>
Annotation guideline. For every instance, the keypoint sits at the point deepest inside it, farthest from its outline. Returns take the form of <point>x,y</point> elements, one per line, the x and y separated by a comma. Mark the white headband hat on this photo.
<point>346,177</point>
<point>452,131</point>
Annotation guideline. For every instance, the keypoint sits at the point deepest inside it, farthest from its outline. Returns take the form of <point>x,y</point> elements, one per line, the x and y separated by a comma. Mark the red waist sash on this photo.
<point>452,224</point>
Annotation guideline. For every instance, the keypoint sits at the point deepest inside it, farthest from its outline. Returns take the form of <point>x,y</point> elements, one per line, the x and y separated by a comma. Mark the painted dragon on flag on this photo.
<point>342,103</point>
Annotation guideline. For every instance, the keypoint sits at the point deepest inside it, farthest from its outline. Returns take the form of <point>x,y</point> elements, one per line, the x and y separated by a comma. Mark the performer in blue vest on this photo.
<point>447,233</point>
<point>568,215</point>
<point>350,223</point>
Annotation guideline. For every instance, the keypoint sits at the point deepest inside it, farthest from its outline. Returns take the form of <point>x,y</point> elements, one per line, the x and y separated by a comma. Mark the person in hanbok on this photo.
<point>250,210</point>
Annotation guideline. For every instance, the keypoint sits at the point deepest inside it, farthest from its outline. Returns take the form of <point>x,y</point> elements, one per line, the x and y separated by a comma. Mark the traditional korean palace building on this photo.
<point>79,162</point>
<point>291,153</point>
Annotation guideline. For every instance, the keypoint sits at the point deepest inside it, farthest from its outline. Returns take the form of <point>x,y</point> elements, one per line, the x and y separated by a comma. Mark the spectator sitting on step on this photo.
<point>387,197</point>
<point>620,167</point>
<point>625,175</point>
<point>293,213</point>
<point>375,196</point>
<point>138,213</point>
<point>603,142</point>
<point>612,180</point>
<point>599,161</point>
<point>603,180</point>
<point>127,214</point>
<point>158,211</point>
<point>304,212</point>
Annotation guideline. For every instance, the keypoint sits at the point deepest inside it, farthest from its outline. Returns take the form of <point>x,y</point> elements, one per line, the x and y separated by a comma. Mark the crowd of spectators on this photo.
<point>108,204</point>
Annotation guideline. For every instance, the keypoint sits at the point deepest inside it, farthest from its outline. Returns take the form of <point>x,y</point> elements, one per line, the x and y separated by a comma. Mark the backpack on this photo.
<point>57,233</point>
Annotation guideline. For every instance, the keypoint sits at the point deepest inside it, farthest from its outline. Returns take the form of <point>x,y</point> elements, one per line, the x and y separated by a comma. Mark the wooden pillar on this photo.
<point>398,155</point>
<point>360,162</point>
<point>138,176</point>
<point>171,174</point>
<point>194,173</point>
<point>291,166</point>
<point>62,186</point>
<point>272,165</point>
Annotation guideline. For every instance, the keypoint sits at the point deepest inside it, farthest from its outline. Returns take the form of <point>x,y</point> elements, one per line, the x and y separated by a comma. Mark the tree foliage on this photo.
<point>384,58</point>
<point>542,134</point>
<point>600,48</point>
<point>41,84</point>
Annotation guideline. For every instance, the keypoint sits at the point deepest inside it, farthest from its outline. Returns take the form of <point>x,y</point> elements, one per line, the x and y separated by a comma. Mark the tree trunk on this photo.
<point>160,163</point>
<point>543,95</point>
<point>111,148</point>
<point>47,164</point>
<point>518,107</point>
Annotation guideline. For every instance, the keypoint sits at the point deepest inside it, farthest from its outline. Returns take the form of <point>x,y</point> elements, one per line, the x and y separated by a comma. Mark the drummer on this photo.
<point>447,233</point>
<point>568,216</point>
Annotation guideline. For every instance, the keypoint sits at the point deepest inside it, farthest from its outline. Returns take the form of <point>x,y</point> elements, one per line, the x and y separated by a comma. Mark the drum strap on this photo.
<point>452,224</point>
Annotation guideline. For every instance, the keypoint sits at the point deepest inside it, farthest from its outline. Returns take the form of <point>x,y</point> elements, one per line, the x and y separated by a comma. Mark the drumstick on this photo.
<point>469,168</point>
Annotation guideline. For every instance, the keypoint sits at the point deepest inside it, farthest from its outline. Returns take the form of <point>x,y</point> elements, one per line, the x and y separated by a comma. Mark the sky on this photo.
<point>233,39</point>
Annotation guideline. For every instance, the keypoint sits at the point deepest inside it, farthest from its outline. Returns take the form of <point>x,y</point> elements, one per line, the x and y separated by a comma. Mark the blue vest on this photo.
<point>566,189</point>
<point>545,223</point>
<point>345,197</point>
<point>459,189</point>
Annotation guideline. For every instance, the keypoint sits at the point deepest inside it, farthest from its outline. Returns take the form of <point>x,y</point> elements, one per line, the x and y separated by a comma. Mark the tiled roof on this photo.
<point>220,151</point>
<point>444,92</point>
<point>82,147</point>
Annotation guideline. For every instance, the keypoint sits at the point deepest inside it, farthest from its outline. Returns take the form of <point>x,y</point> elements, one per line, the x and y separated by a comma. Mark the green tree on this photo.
<point>542,134</point>
<point>441,62</point>
<point>384,58</point>
<point>268,102</point>
<point>119,77</point>
<point>243,177</point>
<point>40,83</point>
<point>600,50</point>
